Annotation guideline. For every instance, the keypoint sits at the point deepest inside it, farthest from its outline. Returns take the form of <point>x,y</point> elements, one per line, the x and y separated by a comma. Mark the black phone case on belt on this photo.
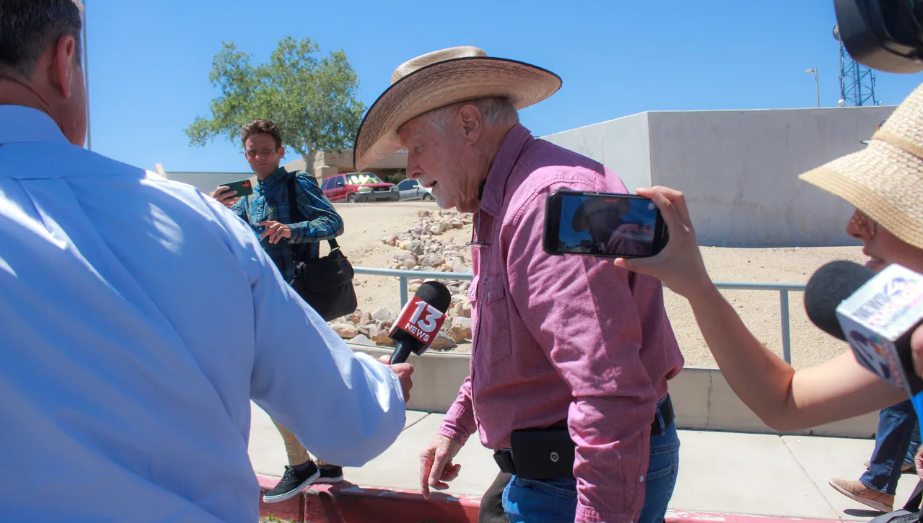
<point>543,453</point>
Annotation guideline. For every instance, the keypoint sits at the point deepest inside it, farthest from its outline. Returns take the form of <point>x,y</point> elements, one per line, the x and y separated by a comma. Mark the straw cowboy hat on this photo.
<point>442,78</point>
<point>885,180</point>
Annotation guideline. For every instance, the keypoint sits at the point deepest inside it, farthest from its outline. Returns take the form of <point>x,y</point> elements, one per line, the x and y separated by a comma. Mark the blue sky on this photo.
<point>149,61</point>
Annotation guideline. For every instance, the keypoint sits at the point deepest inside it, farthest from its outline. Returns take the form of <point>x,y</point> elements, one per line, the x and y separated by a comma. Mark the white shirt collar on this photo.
<point>20,124</point>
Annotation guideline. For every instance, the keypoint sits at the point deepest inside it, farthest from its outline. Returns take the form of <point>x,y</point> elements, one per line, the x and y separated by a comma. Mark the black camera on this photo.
<point>882,34</point>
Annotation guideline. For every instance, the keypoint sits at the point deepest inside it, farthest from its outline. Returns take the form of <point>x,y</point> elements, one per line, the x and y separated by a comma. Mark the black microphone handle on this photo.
<point>401,352</point>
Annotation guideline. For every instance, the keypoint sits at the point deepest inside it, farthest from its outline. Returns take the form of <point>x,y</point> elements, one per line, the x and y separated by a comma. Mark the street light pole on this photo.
<point>816,83</point>
<point>86,75</point>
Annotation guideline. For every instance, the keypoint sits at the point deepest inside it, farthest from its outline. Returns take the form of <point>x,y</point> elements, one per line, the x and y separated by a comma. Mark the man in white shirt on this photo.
<point>139,317</point>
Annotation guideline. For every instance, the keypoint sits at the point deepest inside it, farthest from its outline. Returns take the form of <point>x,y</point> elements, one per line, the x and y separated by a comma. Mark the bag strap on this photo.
<point>295,213</point>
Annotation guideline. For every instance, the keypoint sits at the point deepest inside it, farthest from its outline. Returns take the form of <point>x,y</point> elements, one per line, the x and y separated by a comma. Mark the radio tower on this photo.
<point>857,82</point>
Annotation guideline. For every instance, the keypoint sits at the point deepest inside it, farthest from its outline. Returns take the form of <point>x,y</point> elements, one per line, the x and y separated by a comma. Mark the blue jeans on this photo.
<point>555,500</point>
<point>896,443</point>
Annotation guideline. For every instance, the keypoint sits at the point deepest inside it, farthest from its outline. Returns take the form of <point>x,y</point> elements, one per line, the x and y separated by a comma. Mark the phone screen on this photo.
<point>609,225</point>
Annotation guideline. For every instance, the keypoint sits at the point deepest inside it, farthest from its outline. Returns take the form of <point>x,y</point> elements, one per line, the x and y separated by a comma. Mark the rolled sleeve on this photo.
<point>614,400</point>
<point>459,423</point>
<point>326,223</point>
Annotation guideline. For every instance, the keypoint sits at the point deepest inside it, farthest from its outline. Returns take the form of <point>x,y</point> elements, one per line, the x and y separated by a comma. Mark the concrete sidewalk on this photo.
<point>720,472</point>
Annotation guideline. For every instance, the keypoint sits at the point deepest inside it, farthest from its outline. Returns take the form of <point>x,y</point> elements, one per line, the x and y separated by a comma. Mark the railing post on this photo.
<point>403,280</point>
<point>786,327</point>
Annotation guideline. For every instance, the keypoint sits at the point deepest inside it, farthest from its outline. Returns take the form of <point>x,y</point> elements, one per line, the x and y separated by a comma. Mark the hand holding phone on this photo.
<point>243,188</point>
<point>603,225</point>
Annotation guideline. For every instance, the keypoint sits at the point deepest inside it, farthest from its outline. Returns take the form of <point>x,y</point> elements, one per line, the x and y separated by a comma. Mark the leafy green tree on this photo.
<point>312,100</point>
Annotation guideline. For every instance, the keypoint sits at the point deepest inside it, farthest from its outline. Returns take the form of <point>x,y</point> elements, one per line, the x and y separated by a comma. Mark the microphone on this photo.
<point>875,313</point>
<point>419,322</point>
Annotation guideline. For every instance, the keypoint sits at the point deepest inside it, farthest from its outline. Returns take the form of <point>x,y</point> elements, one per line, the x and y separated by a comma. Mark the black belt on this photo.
<point>553,449</point>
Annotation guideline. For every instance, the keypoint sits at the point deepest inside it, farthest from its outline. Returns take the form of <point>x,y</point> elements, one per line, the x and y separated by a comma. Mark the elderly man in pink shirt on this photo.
<point>570,357</point>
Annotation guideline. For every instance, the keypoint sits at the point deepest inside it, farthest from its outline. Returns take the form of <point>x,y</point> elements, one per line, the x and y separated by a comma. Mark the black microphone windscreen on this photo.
<point>827,288</point>
<point>436,294</point>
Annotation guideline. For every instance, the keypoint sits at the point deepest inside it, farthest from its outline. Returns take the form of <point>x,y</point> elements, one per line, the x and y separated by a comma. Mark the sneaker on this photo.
<point>858,491</point>
<point>330,474</point>
<point>295,480</point>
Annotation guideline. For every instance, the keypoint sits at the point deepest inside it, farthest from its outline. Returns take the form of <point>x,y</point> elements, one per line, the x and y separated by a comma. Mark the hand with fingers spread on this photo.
<point>275,231</point>
<point>225,196</point>
<point>436,466</point>
<point>679,265</point>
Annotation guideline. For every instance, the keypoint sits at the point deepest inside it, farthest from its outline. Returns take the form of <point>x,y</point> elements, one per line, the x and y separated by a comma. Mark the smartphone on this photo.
<point>243,187</point>
<point>603,225</point>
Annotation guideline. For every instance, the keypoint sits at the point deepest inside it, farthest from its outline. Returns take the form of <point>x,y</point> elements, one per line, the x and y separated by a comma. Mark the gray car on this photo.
<point>412,190</point>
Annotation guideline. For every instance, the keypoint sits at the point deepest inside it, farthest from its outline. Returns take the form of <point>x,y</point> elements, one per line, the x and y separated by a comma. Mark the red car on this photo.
<point>359,187</point>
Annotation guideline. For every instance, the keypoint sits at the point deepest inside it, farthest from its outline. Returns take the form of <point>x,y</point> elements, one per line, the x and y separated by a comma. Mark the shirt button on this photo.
<point>641,479</point>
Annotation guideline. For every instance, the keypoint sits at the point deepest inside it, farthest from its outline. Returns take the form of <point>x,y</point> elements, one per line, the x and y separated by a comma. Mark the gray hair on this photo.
<point>494,111</point>
<point>28,26</point>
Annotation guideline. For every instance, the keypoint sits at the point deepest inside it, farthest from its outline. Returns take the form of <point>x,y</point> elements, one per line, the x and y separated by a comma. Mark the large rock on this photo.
<point>435,229</point>
<point>404,256</point>
<point>366,318</point>
<point>405,244</point>
<point>379,334</point>
<point>384,314</point>
<point>456,224</point>
<point>408,264</point>
<point>356,316</point>
<point>345,330</point>
<point>416,247</point>
<point>463,308</point>
<point>389,239</point>
<point>432,260</point>
<point>460,329</point>
<point>364,330</point>
<point>443,342</point>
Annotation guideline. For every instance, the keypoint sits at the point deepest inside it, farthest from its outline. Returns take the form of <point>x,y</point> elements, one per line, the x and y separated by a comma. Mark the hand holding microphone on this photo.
<point>419,322</point>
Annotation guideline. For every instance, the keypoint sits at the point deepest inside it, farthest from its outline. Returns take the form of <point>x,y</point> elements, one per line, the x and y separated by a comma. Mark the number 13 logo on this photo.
<point>432,318</point>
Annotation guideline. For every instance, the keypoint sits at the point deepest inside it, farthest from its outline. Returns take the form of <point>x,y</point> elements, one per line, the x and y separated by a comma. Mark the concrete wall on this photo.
<point>739,171</point>
<point>702,398</point>
<point>621,145</point>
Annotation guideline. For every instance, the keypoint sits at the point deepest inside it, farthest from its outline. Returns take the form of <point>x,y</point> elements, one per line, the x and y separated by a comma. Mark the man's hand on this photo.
<point>275,230</point>
<point>225,196</point>
<point>403,371</point>
<point>436,464</point>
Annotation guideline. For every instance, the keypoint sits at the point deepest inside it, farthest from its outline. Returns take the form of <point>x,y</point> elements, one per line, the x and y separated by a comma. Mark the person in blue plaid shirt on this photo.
<point>267,211</point>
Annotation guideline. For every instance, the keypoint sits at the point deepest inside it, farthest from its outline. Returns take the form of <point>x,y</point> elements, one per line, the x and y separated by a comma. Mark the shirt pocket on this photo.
<point>497,312</point>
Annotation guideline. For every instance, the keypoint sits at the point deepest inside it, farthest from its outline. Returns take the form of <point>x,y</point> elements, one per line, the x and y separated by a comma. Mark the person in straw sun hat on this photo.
<point>562,342</point>
<point>884,181</point>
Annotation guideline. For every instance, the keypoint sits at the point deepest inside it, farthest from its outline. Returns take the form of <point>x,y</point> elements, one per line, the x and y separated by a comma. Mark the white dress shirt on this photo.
<point>138,317</point>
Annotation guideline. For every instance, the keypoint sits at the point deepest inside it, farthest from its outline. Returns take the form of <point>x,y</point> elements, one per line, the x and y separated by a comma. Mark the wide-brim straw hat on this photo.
<point>885,180</point>
<point>442,78</point>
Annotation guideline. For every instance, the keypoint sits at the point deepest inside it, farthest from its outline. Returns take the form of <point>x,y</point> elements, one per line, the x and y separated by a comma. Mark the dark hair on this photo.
<point>258,127</point>
<point>28,26</point>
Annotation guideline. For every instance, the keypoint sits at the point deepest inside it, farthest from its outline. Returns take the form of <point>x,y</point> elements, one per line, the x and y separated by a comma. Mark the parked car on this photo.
<point>412,190</point>
<point>359,187</point>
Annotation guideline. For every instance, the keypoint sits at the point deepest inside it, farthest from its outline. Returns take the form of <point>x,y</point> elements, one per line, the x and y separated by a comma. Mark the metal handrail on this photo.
<point>783,288</point>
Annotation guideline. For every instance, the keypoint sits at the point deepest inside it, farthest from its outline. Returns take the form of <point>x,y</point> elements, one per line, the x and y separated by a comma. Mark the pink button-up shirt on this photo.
<point>560,337</point>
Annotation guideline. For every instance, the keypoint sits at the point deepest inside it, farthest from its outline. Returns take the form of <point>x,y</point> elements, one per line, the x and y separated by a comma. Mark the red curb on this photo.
<point>348,503</point>
<point>685,516</point>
